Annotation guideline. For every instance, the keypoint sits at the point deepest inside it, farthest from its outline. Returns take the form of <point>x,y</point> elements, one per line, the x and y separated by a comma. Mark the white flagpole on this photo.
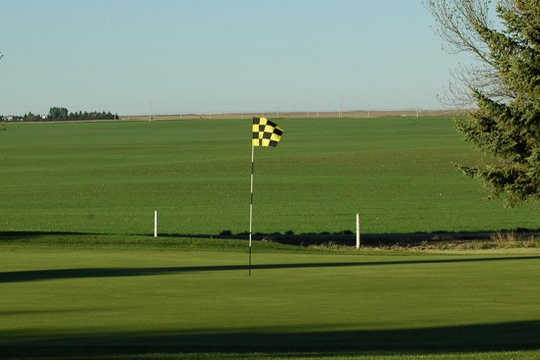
<point>251,208</point>
<point>358,231</point>
<point>155,223</point>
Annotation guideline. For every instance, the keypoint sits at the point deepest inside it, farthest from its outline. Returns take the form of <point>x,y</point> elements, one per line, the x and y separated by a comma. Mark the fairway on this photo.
<point>93,303</point>
<point>109,177</point>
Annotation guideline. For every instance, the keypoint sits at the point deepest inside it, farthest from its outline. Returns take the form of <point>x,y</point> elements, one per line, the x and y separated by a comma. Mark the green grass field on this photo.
<point>63,303</point>
<point>109,178</point>
<point>80,278</point>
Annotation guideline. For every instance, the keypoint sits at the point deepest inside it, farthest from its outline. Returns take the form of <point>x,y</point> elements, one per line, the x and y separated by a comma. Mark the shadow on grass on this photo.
<point>345,237</point>
<point>29,235</point>
<point>47,311</point>
<point>509,336</point>
<point>348,238</point>
<point>37,275</point>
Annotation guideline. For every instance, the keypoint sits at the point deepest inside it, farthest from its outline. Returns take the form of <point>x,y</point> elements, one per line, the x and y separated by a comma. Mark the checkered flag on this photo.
<point>265,132</point>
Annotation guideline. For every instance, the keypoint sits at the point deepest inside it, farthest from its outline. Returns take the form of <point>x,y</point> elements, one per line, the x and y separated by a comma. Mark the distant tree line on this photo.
<point>62,114</point>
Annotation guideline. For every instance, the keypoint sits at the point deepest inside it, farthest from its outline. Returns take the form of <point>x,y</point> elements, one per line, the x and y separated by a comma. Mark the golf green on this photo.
<point>94,303</point>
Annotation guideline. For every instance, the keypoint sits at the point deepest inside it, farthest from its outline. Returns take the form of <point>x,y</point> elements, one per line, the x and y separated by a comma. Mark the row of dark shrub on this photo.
<point>62,114</point>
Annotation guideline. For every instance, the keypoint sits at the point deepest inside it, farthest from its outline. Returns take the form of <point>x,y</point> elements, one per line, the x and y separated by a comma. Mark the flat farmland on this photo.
<point>108,177</point>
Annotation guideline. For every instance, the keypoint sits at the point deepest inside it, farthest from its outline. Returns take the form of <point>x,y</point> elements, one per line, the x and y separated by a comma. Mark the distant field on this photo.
<point>299,115</point>
<point>109,177</point>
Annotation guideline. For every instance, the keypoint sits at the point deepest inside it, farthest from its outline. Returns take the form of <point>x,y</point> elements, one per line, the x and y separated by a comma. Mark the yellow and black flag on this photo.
<point>265,132</point>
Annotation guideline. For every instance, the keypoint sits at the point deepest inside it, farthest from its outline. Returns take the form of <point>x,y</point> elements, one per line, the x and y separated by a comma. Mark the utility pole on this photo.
<point>1,56</point>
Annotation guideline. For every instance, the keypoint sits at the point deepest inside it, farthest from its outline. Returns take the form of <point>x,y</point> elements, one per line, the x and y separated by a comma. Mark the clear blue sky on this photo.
<point>219,56</point>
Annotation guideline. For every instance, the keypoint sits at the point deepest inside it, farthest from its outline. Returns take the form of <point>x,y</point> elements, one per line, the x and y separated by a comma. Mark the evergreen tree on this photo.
<point>506,121</point>
<point>58,114</point>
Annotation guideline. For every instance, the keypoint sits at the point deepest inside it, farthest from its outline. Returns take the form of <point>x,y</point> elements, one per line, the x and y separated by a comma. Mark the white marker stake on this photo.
<point>358,231</point>
<point>155,223</point>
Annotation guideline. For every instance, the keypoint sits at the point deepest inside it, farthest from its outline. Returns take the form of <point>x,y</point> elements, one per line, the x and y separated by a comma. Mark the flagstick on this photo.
<point>251,208</point>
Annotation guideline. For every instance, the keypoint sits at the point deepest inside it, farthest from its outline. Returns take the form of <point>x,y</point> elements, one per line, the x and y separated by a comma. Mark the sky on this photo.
<point>213,56</point>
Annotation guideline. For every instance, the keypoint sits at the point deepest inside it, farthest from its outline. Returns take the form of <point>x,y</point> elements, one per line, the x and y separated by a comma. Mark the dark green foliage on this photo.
<point>62,114</point>
<point>57,113</point>
<point>31,117</point>
<point>508,127</point>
